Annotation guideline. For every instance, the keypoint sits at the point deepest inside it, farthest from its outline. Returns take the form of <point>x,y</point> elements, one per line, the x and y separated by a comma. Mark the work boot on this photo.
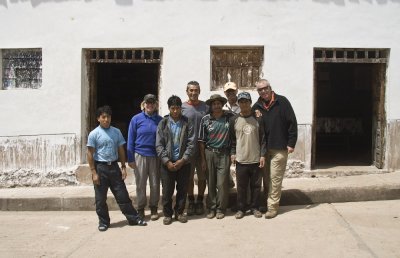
<point>271,214</point>
<point>211,214</point>
<point>154,213</point>
<point>181,218</point>
<point>167,220</point>
<point>191,210</point>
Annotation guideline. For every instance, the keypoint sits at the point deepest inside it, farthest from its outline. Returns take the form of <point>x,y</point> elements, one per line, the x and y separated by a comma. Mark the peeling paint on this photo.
<point>40,160</point>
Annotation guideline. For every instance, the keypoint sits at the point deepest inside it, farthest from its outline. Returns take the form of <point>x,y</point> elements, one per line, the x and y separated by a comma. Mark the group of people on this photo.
<point>196,137</point>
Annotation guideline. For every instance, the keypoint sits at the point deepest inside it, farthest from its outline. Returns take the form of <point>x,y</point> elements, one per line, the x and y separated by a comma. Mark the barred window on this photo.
<point>21,68</point>
<point>241,65</point>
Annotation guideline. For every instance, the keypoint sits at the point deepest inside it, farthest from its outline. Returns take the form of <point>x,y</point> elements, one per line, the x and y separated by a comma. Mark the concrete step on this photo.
<point>296,191</point>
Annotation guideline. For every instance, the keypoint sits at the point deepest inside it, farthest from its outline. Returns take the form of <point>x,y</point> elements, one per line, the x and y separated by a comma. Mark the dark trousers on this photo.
<point>111,177</point>
<point>246,173</point>
<point>168,179</point>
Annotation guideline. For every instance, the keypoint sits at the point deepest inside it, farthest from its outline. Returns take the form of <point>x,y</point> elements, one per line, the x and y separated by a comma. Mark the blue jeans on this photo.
<point>111,177</point>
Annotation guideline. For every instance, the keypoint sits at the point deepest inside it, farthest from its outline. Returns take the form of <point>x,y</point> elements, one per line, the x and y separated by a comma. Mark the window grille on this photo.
<point>351,55</point>
<point>149,55</point>
<point>241,65</point>
<point>22,68</point>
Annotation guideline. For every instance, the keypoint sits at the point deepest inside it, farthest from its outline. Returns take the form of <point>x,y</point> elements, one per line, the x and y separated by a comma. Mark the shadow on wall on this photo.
<point>344,2</point>
<point>36,3</point>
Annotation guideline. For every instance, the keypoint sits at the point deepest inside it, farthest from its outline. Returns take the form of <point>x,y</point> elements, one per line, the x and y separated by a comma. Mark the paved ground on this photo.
<point>361,229</point>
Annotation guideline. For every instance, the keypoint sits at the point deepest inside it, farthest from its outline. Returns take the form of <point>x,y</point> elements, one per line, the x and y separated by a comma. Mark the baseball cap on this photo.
<point>244,95</point>
<point>150,98</point>
<point>230,85</point>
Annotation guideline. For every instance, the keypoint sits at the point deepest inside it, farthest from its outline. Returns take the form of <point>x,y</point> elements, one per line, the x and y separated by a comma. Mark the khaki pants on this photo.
<point>275,166</point>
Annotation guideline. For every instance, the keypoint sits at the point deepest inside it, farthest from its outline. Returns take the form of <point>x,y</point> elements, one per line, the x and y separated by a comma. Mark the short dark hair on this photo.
<point>174,101</point>
<point>103,109</point>
<point>195,83</point>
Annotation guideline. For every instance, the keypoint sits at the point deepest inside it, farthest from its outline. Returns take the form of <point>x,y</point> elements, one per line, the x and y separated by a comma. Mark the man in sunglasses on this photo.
<point>280,124</point>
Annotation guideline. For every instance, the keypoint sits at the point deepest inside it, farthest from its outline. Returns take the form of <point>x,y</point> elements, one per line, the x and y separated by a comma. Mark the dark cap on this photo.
<point>215,97</point>
<point>150,98</point>
<point>244,95</point>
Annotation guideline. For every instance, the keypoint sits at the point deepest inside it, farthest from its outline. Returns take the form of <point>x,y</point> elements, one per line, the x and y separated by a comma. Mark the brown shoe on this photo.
<point>211,214</point>
<point>257,213</point>
<point>181,218</point>
<point>220,215</point>
<point>239,215</point>
<point>167,220</point>
<point>271,214</point>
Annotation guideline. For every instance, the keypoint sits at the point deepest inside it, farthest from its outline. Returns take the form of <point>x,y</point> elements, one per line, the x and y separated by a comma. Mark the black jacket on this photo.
<point>280,123</point>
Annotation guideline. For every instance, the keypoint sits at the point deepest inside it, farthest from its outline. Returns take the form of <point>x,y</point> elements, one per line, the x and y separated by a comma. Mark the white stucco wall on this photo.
<point>185,29</point>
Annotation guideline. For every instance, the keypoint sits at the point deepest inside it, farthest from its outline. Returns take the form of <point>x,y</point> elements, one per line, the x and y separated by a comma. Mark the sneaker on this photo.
<point>199,208</point>
<point>167,220</point>
<point>220,215</point>
<point>257,213</point>
<point>137,222</point>
<point>141,213</point>
<point>271,214</point>
<point>102,227</point>
<point>239,215</point>
<point>154,214</point>
<point>211,214</point>
<point>181,218</point>
<point>191,208</point>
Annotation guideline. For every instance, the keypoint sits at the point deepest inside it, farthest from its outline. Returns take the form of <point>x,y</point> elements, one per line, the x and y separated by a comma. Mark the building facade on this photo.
<point>335,60</point>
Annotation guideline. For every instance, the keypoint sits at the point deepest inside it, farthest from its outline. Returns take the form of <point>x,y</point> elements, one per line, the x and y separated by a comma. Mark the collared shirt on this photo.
<point>176,128</point>
<point>105,142</point>
<point>235,109</point>
<point>214,132</point>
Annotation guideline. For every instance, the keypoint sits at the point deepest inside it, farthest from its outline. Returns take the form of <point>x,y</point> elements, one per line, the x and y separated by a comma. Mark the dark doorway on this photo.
<point>123,86</point>
<point>344,113</point>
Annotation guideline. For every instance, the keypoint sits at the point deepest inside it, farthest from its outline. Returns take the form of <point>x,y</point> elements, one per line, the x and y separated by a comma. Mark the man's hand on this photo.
<point>96,179</point>
<point>258,113</point>
<point>170,166</point>
<point>132,165</point>
<point>123,173</point>
<point>290,149</point>
<point>262,162</point>
<point>178,164</point>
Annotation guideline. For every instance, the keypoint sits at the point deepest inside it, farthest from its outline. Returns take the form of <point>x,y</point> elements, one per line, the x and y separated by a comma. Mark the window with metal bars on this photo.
<point>21,68</point>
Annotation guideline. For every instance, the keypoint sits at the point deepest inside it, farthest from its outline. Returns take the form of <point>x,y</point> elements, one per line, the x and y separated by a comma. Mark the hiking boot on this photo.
<point>239,215</point>
<point>181,218</point>
<point>167,220</point>
<point>220,215</point>
<point>191,208</point>
<point>257,213</point>
<point>141,213</point>
<point>211,214</point>
<point>154,213</point>
<point>199,208</point>
<point>271,214</point>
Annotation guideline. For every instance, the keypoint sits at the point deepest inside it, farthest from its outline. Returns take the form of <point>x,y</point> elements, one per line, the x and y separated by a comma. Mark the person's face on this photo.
<point>150,106</point>
<point>105,120</point>
<point>264,90</point>
<point>175,112</point>
<point>216,106</point>
<point>193,92</point>
<point>231,95</point>
<point>245,105</point>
